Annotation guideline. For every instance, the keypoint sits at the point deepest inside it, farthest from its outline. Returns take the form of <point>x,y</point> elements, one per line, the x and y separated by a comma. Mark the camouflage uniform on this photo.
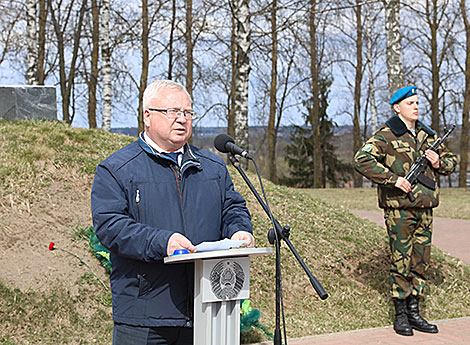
<point>382,159</point>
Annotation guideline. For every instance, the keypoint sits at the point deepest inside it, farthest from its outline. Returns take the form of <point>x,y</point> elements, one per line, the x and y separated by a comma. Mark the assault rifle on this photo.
<point>416,172</point>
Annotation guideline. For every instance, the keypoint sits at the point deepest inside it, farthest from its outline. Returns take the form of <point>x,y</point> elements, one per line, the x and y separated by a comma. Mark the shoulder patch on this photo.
<point>367,148</point>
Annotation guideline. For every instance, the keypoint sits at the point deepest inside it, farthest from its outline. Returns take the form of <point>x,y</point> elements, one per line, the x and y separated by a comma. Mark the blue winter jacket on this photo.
<point>138,200</point>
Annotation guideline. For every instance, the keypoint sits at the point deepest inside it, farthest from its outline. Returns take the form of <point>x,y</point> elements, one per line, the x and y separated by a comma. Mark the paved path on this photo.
<point>450,235</point>
<point>451,332</point>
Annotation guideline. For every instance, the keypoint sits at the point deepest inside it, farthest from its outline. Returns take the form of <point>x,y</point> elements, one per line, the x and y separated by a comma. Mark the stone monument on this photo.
<point>26,102</point>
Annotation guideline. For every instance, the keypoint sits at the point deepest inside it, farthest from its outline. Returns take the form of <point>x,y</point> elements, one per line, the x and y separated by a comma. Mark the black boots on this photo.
<point>407,317</point>
<point>401,324</point>
<point>415,320</point>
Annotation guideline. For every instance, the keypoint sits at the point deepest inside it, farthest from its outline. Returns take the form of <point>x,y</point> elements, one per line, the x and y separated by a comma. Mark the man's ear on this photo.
<point>396,107</point>
<point>146,118</point>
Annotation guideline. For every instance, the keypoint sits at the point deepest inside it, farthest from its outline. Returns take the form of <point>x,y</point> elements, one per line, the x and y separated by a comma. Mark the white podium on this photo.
<point>221,280</point>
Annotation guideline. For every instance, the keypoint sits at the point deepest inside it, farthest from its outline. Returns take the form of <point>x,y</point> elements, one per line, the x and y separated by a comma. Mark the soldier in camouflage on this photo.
<point>385,159</point>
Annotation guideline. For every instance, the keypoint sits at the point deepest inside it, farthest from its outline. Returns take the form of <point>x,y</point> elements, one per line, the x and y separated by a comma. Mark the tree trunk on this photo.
<point>62,75</point>
<point>392,28</point>
<point>315,110</point>
<point>41,42</point>
<point>9,33</point>
<point>272,98</point>
<point>373,109</point>
<point>357,91</point>
<point>242,43</point>
<point>66,82</point>
<point>433,26</point>
<point>466,104</point>
<point>106,66</point>
<point>31,62</point>
<point>92,83</point>
<point>231,100</point>
<point>189,47</point>
<point>145,62</point>
<point>170,45</point>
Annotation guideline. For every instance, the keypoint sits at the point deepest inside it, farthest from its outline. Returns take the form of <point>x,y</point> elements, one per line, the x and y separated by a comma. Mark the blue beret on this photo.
<point>403,93</point>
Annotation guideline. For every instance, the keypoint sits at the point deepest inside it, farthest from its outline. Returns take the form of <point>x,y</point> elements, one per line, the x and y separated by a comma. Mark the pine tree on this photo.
<point>299,153</point>
<point>299,156</point>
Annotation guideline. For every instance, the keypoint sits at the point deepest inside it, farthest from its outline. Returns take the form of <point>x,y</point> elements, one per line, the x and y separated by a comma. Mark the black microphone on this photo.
<point>225,143</point>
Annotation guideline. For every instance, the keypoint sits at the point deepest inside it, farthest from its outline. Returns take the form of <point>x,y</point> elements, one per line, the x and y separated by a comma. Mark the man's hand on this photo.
<point>433,158</point>
<point>403,184</point>
<point>178,241</point>
<point>244,235</point>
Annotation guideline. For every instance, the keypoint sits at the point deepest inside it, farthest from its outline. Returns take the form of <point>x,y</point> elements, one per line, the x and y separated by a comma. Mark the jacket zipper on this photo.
<point>137,201</point>
<point>177,173</point>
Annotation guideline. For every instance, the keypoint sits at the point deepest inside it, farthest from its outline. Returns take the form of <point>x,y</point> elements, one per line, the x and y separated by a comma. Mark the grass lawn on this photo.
<point>347,254</point>
<point>454,202</point>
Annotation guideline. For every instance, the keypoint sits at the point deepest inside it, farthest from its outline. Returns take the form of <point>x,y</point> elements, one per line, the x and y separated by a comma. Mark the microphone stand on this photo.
<point>275,235</point>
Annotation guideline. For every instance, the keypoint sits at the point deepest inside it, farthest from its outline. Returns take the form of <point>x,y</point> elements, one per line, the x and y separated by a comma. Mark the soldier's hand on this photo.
<point>403,184</point>
<point>433,158</point>
<point>178,241</point>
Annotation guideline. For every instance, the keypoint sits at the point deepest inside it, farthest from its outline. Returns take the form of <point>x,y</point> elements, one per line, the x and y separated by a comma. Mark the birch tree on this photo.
<point>106,66</point>
<point>393,52</point>
<point>368,34</point>
<point>31,38</point>
<point>234,74</point>
<point>240,12</point>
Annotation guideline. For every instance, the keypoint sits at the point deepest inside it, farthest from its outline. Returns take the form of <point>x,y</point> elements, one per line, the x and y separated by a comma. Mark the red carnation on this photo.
<point>51,247</point>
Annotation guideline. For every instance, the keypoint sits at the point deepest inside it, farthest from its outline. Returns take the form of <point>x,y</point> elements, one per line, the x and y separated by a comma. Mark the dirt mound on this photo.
<point>55,214</point>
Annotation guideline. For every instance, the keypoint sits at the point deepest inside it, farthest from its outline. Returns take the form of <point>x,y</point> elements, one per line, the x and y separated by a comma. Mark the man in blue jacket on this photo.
<point>150,198</point>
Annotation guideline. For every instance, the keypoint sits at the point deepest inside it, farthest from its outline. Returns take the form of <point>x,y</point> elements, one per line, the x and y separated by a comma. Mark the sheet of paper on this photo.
<point>219,245</point>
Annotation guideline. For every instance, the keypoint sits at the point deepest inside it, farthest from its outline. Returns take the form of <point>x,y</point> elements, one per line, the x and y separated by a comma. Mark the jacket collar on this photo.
<point>399,128</point>
<point>189,158</point>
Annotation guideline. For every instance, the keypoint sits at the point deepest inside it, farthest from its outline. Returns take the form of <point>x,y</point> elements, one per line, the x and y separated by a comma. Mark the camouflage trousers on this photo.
<point>409,232</point>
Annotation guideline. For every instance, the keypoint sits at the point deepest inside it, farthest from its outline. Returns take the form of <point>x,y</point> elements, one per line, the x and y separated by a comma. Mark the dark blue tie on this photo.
<point>173,156</point>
